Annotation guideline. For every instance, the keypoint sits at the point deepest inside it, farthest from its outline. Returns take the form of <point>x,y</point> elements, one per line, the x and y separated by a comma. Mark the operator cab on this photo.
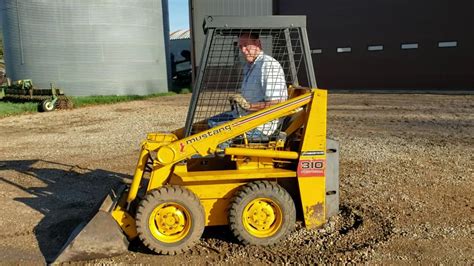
<point>277,72</point>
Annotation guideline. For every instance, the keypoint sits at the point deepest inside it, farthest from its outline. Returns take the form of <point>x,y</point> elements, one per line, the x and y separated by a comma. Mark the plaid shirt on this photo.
<point>264,81</point>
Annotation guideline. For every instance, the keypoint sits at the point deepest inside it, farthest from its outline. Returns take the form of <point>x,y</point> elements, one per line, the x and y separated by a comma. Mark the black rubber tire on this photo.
<point>261,189</point>
<point>47,106</point>
<point>176,194</point>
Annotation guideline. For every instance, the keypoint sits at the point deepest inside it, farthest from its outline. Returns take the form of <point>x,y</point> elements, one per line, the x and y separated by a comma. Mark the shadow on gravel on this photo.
<point>350,236</point>
<point>67,197</point>
<point>219,232</point>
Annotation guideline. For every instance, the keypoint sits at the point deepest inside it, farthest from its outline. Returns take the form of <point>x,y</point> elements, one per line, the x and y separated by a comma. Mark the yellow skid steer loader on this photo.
<point>223,167</point>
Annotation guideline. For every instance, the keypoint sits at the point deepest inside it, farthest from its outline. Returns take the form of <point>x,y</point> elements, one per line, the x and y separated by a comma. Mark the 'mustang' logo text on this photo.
<point>208,134</point>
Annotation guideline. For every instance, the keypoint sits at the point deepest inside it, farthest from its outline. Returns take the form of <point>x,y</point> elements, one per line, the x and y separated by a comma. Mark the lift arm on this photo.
<point>205,142</point>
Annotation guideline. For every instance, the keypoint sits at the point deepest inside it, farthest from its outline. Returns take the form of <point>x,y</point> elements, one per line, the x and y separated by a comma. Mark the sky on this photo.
<point>178,14</point>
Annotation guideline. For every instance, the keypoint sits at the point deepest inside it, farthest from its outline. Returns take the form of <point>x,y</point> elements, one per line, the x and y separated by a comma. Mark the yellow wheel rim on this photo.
<point>170,222</point>
<point>262,217</point>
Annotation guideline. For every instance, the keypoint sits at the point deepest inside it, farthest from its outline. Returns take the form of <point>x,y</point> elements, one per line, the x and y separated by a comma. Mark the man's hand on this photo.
<point>240,100</point>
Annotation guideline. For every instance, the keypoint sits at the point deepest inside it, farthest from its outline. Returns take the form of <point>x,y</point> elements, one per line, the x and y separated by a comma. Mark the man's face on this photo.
<point>250,47</point>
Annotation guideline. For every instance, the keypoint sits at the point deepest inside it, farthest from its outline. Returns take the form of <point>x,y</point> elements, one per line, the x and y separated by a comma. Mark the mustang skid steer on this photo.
<point>208,174</point>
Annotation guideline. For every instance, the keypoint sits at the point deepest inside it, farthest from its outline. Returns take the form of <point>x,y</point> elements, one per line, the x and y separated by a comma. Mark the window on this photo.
<point>344,50</point>
<point>375,47</point>
<point>408,46</point>
<point>447,44</point>
<point>317,51</point>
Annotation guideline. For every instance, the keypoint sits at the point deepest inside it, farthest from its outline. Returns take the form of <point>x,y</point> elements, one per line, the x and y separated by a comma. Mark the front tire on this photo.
<point>170,220</point>
<point>262,213</point>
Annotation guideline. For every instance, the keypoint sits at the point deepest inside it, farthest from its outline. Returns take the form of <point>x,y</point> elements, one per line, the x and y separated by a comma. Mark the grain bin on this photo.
<point>88,47</point>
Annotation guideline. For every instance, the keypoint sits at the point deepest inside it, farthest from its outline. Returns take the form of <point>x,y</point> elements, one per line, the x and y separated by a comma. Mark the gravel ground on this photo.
<point>406,181</point>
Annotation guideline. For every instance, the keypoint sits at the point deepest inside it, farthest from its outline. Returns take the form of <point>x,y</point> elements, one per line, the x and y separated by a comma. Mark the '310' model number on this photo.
<point>312,164</point>
<point>311,168</point>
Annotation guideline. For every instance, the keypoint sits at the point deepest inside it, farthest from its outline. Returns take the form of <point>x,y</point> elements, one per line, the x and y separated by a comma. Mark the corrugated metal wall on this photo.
<point>88,47</point>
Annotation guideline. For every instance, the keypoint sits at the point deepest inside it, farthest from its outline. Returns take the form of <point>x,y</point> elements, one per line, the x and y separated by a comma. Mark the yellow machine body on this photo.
<point>171,160</point>
<point>212,173</point>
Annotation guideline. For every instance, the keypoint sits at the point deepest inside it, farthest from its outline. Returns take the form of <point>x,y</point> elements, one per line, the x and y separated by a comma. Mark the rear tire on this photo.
<point>47,106</point>
<point>262,213</point>
<point>170,220</point>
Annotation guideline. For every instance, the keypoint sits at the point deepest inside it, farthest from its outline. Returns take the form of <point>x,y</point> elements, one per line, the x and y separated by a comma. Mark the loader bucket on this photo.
<point>100,237</point>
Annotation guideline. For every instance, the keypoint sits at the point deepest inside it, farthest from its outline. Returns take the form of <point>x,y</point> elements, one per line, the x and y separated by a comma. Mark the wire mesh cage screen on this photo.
<point>227,69</point>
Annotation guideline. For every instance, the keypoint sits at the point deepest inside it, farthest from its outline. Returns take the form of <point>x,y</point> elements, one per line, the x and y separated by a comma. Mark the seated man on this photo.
<point>263,85</point>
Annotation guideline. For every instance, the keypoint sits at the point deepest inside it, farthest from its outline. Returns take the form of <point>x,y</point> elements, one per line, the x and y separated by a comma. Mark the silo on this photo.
<point>88,47</point>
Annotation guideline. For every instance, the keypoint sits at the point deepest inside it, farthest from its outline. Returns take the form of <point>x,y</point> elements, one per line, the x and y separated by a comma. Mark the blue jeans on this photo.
<point>226,117</point>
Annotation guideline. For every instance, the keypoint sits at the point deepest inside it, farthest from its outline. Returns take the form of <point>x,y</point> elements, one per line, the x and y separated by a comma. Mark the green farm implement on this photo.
<point>24,91</point>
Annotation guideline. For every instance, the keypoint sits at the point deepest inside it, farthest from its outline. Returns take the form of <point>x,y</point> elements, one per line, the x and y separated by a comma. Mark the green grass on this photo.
<point>14,108</point>
<point>10,108</point>
<point>95,100</point>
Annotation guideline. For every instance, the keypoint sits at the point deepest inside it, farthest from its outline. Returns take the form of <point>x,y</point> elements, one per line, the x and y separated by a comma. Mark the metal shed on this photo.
<point>371,44</point>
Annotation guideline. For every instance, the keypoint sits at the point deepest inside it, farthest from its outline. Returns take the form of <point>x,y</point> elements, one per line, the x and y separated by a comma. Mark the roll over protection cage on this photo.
<point>220,72</point>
